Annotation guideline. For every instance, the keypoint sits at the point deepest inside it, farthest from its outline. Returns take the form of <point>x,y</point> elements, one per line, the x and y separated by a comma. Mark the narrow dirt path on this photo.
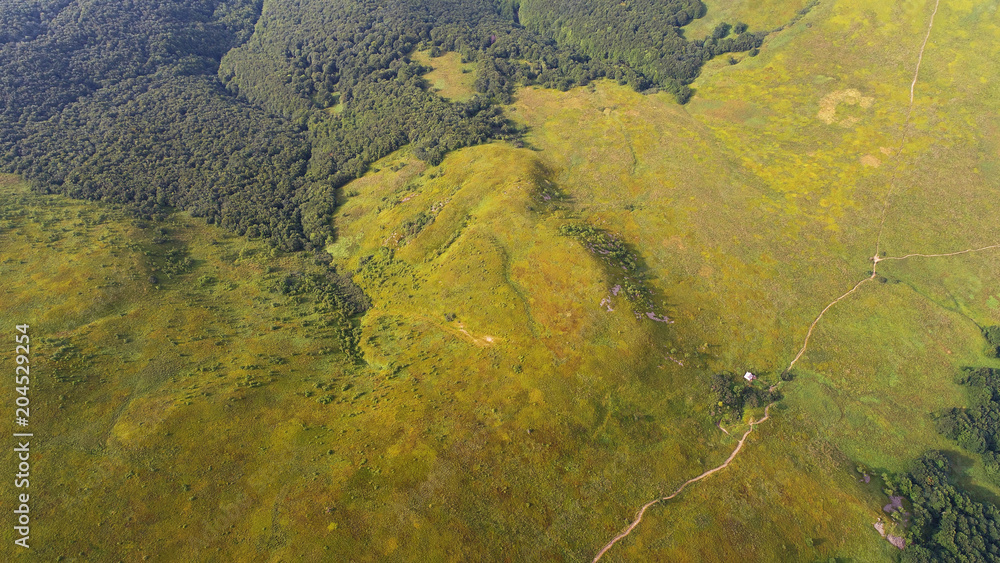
<point>906,128</point>
<point>920,57</point>
<point>805,344</point>
<point>642,511</point>
<point>991,247</point>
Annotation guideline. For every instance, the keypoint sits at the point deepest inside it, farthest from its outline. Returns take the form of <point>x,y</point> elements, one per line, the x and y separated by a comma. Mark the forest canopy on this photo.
<point>977,428</point>
<point>226,108</point>
<point>945,522</point>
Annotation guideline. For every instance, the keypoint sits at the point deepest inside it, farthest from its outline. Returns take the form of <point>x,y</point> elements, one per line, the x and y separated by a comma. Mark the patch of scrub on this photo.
<point>828,106</point>
<point>869,160</point>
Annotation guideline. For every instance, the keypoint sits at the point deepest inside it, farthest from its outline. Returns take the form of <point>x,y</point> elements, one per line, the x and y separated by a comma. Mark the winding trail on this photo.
<point>642,511</point>
<point>805,344</point>
<point>991,247</point>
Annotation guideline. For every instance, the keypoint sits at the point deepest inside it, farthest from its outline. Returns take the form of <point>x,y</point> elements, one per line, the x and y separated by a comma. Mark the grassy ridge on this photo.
<point>491,294</point>
<point>142,376</point>
<point>146,381</point>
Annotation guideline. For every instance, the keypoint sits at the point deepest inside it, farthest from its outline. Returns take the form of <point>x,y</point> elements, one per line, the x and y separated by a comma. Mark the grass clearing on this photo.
<point>759,15</point>
<point>449,77</point>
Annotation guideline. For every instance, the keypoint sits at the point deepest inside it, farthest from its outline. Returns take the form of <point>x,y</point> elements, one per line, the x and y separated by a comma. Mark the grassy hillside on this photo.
<point>487,301</point>
<point>201,396</point>
<point>167,366</point>
<point>758,209</point>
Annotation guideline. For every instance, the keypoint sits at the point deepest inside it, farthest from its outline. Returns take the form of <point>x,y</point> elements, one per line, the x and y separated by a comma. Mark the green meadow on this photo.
<point>501,400</point>
<point>449,77</point>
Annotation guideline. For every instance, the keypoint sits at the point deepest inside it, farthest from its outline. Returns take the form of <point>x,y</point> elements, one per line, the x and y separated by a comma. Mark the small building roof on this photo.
<point>749,376</point>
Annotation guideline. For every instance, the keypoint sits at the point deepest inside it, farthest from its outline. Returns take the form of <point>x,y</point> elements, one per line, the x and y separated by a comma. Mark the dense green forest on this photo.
<point>643,36</point>
<point>251,115</point>
<point>120,101</point>
<point>945,523</point>
<point>977,428</point>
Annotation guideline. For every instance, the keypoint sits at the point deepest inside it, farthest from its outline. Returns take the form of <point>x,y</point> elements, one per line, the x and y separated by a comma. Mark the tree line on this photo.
<point>641,41</point>
<point>253,118</point>
<point>977,428</point>
<point>943,522</point>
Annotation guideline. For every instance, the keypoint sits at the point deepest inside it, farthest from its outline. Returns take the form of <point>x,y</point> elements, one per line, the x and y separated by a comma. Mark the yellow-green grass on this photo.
<point>502,413</point>
<point>166,413</point>
<point>450,78</point>
<point>203,413</point>
<point>755,213</point>
<point>739,281</point>
<point>529,340</point>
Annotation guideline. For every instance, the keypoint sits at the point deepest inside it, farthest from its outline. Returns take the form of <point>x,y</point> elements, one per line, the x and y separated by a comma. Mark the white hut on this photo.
<point>749,376</point>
